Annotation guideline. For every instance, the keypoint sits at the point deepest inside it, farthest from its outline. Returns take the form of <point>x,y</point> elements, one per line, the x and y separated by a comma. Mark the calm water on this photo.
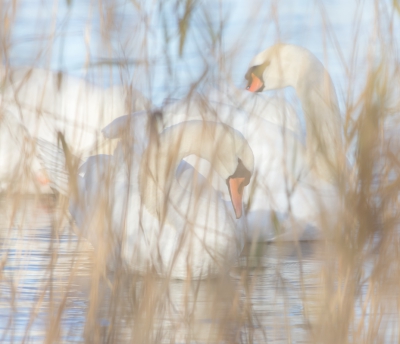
<point>47,280</point>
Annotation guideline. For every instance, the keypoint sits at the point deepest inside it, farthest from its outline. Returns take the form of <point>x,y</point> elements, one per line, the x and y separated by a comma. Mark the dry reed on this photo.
<point>55,287</point>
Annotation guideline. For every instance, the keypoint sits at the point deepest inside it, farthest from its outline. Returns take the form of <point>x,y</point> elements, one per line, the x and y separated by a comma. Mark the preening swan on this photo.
<point>180,232</point>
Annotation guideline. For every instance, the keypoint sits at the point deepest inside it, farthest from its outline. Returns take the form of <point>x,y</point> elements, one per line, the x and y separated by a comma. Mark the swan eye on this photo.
<point>255,84</point>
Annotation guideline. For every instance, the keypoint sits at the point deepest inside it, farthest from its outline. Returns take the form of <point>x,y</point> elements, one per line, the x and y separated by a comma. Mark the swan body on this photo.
<point>17,157</point>
<point>44,103</point>
<point>180,231</point>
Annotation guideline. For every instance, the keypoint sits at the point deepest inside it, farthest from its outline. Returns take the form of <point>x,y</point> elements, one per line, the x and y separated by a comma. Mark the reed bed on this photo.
<point>61,282</point>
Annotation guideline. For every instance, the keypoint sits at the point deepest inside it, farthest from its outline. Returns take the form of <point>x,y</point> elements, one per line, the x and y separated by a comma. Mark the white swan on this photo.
<point>311,186</point>
<point>179,231</point>
<point>46,102</point>
<point>284,65</point>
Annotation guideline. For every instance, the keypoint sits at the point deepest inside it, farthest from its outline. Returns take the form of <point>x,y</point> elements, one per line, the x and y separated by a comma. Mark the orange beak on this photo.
<point>255,84</point>
<point>236,191</point>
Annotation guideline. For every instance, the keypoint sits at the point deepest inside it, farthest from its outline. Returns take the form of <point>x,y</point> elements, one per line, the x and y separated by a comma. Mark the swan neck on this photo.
<point>323,124</point>
<point>157,176</point>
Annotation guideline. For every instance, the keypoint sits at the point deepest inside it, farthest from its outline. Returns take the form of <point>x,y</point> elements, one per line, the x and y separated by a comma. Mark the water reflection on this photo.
<point>51,288</point>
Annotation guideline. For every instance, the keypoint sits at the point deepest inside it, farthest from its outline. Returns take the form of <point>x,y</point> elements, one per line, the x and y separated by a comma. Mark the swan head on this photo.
<point>280,66</point>
<point>225,148</point>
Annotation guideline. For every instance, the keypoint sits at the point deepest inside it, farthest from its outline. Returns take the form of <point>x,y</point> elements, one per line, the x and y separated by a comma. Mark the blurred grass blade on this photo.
<point>184,24</point>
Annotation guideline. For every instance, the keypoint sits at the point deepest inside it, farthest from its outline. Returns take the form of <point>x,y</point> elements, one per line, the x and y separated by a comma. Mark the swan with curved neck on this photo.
<point>189,232</point>
<point>179,232</point>
<point>323,157</point>
<point>225,148</point>
<point>285,65</point>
